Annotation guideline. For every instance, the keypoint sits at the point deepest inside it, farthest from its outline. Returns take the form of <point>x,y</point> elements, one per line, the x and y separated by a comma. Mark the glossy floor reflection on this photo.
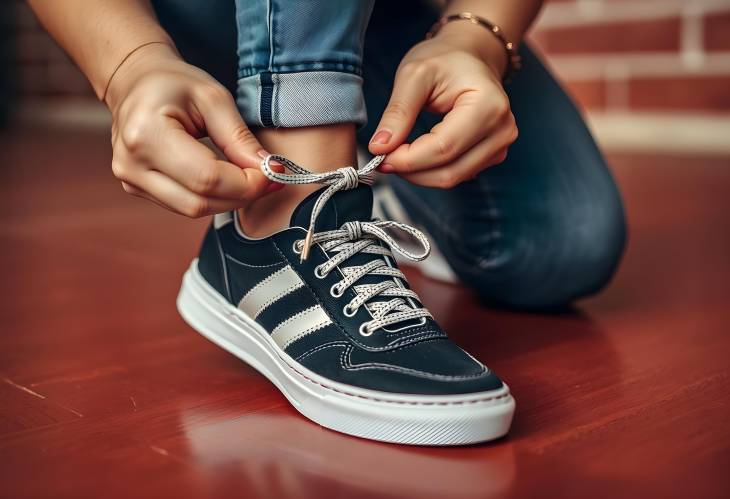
<point>105,392</point>
<point>291,457</point>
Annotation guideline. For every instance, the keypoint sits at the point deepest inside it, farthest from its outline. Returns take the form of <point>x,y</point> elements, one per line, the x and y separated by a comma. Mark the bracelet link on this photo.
<point>514,61</point>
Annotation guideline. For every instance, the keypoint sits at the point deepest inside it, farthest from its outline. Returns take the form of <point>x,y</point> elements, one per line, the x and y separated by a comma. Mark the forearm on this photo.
<point>514,17</point>
<point>99,34</point>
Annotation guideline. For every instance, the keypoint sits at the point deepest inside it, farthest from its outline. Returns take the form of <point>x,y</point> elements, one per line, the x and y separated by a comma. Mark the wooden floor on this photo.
<point>105,392</point>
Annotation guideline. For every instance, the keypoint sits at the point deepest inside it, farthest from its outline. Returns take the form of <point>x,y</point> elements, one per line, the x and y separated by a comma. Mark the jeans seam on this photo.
<point>275,106</point>
<point>303,67</point>
<point>270,26</point>
<point>266,99</point>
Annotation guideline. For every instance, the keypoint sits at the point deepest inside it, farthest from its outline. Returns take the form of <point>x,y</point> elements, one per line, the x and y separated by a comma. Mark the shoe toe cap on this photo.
<point>428,368</point>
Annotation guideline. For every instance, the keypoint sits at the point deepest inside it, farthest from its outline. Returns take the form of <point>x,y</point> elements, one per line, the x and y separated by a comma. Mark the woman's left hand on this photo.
<point>456,74</point>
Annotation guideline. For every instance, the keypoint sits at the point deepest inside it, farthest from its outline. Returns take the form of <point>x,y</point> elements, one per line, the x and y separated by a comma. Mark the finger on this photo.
<point>226,128</point>
<point>410,93</point>
<point>470,120</point>
<point>135,191</point>
<point>489,152</point>
<point>196,167</point>
<point>466,168</point>
<point>228,131</point>
<point>164,191</point>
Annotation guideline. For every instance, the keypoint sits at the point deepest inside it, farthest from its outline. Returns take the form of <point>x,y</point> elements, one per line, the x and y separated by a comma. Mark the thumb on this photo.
<point>231,135</point>
<point>410,92</point>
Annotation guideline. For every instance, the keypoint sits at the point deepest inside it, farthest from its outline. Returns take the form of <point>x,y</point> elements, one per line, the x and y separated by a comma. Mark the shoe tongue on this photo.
<point>344,206</point>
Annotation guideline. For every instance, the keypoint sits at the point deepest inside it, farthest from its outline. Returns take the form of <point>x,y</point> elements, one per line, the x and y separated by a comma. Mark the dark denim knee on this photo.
<point>550,256</point>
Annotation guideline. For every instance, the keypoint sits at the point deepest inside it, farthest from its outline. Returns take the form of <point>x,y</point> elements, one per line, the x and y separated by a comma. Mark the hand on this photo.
<point>448,74</point>
<point>160,105</point>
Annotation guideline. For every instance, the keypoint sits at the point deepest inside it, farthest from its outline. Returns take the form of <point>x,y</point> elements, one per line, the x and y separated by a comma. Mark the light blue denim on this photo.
<point>300,61</point>
<point>542,229</point>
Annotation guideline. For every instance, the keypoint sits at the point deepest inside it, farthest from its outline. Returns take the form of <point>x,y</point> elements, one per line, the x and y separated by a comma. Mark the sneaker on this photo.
<point>322,311</point>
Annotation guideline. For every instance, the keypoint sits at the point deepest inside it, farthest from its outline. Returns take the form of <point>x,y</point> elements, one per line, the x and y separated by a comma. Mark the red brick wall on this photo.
<point>643,55</point>
<point>640,55</point>
<point>41,67</point>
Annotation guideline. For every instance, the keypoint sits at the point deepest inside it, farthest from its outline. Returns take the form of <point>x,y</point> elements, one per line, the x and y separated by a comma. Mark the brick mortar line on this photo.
<point>683,133</point>
<point>572,15</point>
<point>633,65</point>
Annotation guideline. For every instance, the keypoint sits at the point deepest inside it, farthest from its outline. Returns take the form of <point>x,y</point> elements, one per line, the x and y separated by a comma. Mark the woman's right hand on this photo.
<point>160,106</point>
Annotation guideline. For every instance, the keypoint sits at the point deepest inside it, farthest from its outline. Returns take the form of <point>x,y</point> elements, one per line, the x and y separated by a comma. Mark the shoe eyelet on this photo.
<point>363,330</point>
<point>294,248</point>
<point>335,291</point>
<point>318,273</point>
<point>348,311</point>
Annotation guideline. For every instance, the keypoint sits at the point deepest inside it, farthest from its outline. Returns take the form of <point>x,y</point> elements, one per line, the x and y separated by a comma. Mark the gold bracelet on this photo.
<point>109,81</point>
<point>514,61</point>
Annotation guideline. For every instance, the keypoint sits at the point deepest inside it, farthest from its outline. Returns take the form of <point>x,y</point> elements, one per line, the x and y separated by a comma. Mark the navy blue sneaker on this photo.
<point>322,311</point>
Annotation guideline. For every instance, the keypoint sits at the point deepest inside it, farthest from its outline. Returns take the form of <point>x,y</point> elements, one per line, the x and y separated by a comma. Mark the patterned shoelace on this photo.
<point>357,237</point>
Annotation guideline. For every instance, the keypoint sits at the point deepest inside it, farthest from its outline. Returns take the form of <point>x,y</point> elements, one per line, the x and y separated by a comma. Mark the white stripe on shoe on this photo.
<point>391,417</point>
<point>273,288</point>
<point>299,325</point>
<point>221,219</point>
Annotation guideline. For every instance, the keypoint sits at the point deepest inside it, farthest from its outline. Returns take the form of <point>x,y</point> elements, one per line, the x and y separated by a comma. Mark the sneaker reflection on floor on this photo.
<point>281,454</point>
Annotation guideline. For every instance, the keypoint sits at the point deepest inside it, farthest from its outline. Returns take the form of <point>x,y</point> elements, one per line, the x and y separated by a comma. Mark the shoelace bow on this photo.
<point>357,237</point>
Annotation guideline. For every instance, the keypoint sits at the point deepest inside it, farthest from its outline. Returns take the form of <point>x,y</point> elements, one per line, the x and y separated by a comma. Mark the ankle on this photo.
<point>319,149</point>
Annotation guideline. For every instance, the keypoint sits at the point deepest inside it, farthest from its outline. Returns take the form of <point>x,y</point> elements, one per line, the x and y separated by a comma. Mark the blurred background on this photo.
<point>652,75</point>
<point>100,379</point>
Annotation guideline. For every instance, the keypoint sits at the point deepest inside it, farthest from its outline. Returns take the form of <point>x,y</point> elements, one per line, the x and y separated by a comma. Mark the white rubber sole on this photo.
<point>388,417</point>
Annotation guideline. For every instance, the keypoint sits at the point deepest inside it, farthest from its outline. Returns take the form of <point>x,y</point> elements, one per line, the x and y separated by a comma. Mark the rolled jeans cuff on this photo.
<point>308,98</point>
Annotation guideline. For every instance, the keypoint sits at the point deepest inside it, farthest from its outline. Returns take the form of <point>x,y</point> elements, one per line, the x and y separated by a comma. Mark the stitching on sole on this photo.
<point>232,314</point>
<point>355,395</point>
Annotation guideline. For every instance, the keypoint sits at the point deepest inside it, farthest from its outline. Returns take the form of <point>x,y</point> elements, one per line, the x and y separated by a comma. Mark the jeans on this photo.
<point>540,230</point>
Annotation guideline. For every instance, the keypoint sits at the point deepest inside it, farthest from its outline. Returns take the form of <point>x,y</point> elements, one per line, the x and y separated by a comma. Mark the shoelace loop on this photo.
<point>347,177</point>
<point>355,237</point>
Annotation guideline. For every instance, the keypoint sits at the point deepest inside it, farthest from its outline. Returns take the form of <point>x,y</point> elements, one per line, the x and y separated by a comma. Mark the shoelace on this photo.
<point>357,237</point>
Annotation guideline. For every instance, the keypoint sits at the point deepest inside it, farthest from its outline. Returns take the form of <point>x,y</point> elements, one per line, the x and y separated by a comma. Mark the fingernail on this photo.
<point>381,137</point>
<point>386,168</point>
<point>276,166</point>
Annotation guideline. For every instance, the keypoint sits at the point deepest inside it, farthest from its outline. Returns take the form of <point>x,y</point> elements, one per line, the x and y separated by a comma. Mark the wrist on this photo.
<point>141,60</point>
<point>478,41</point>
